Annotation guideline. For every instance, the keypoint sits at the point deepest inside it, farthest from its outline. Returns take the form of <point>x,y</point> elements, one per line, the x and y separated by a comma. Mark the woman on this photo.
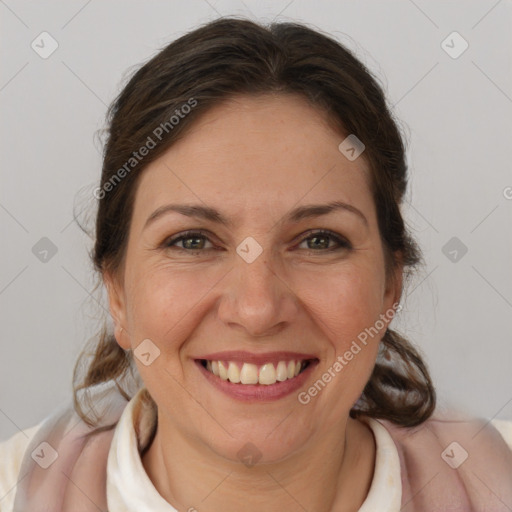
<point>250,239</point>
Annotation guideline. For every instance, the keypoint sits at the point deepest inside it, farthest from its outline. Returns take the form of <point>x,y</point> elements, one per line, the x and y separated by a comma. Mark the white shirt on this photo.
<point>129,488</point>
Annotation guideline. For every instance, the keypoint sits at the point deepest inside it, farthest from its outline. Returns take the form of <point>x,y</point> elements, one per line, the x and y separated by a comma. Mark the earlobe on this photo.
<point>393,292</point>
<point>398,275</point>
<point>391,299</point>
<point>121,337</point>
<point>117,309</point>
<point>398,283</point>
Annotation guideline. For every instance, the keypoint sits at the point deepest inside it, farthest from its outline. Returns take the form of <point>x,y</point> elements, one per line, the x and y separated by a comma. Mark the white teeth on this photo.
<point>223,372</point>
<point>233,373</point>
<point>249,374</point>
<point>265,374</point>
<point>281,371</point>
<point>291,369</point>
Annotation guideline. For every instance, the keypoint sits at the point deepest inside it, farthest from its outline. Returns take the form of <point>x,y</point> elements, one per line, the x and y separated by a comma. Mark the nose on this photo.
<point>257,300</point>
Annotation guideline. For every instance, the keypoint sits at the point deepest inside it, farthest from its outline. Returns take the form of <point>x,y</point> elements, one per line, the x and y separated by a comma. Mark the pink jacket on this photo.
<point>461,465</point>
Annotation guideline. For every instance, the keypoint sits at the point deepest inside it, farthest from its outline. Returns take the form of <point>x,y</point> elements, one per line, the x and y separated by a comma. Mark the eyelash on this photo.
<point>343,244</point>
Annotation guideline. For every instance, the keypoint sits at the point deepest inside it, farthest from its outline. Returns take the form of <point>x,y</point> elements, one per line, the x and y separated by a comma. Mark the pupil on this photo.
<point>316,238</point>
<point>192,245</point>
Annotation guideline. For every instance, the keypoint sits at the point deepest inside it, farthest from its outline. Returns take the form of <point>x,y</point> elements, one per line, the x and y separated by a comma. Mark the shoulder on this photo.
<point>466,459</point>
<point>12,451</point>
<point>504,427</point>
<point>482,435</point>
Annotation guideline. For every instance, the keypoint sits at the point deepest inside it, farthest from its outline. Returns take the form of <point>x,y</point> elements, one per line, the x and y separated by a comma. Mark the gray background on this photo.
<point>456,112</point>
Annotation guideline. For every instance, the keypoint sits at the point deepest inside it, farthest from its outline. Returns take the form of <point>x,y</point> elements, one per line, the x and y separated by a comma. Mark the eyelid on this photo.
<point>188,234</point>
<point>341,241</point>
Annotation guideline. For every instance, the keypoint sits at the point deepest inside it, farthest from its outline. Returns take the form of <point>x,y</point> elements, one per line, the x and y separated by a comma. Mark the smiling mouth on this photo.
<point>251,374</point>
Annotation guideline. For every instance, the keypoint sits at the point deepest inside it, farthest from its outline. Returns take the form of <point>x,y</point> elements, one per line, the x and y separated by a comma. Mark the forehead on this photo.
<point>254,154</point>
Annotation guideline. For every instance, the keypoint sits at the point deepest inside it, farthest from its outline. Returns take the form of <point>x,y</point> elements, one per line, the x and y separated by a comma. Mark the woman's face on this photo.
<point>255,285</point>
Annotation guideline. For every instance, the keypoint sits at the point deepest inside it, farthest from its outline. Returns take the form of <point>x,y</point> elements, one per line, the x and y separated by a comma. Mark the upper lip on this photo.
<point>258,359</point>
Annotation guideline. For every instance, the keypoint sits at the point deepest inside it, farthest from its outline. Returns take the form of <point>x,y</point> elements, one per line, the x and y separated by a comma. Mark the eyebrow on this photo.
<point>213,215</point>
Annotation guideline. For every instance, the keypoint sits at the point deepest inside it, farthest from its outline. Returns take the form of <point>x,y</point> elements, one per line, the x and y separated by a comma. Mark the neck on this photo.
<point>333,473</point>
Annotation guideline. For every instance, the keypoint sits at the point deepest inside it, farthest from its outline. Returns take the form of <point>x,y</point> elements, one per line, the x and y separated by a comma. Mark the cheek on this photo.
<point>345,306</point>
<point>165,302</point>
<point>165,307</point>
<point>344,303</point>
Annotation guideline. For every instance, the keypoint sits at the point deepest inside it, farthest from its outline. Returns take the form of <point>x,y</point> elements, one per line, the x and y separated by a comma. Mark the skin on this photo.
<point>254,159</point>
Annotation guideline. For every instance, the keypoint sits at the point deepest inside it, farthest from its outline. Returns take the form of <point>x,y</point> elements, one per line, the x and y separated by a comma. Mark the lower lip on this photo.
<point>257,392</point>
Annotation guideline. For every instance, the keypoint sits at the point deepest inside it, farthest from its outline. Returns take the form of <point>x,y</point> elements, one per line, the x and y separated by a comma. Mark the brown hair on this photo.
<point>229,57</point>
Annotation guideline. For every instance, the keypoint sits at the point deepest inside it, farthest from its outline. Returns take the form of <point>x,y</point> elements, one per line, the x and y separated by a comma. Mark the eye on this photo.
<point>321,240</point>
<point>190,240</point>
<point>317,241</point>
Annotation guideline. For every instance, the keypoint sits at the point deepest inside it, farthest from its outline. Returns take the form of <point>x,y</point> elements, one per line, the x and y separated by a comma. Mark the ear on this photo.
<point>393,289</point>
<point>117,306</point>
